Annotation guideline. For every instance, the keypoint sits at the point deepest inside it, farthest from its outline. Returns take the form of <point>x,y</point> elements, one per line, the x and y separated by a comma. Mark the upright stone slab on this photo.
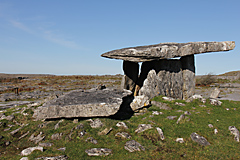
<point>188,72</point>
<point>165,79</point>
<point>130,77</point>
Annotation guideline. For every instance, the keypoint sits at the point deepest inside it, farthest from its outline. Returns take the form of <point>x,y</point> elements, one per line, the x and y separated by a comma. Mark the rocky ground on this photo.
<point>19,133</point>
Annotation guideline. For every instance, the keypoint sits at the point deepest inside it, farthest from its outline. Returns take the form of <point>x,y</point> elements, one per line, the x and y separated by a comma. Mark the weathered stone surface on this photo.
<point>167,50</point>
<point>122,124</point>
<point>105,131</point>
<point>29,150</point>
<point>188,75</point>
<point>97,123</point>
<point>143,127</point>
<point>91,103</point>
<point>130,77</point>
<point>98,151</point>
<point>215,102</point>
<point>133,146</point>
<point>166,78</point>
<point>235,132</point>
<point>123,135</point>
<point>139,102</point>
<point>215,93</point>
<point>199,139</point>
<point>160,132</point>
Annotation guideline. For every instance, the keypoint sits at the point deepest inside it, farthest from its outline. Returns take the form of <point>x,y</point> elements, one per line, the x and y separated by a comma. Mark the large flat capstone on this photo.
<point>79,103</point>
<point>167,50</point>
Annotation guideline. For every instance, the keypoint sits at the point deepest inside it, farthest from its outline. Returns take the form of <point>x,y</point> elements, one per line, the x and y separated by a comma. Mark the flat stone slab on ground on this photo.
<point>79,103</point>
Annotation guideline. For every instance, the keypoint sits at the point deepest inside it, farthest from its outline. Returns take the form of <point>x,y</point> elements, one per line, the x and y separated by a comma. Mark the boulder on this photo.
<point>167,50</point>
<point>78,103</point>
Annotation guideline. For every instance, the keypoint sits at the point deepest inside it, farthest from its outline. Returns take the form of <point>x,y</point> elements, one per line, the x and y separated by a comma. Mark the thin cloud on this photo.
<point>46,34</point>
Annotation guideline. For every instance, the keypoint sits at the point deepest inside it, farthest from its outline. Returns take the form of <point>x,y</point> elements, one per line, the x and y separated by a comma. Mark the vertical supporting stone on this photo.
<point>188,71</point>
<point>131,71</point>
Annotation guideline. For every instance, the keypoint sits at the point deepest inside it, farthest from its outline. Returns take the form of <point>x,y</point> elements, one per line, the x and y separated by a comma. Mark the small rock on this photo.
<point>82,133</point>
<point>156,113</point>
<point>215,93</point>
<point>24,135</point>
<point>181,118</point>
<point>133,146</point>
<point>43,125</point>
<point>16,130</point>
<point>235,132</point>
<point>199,139</point>
<point>61,157</point>
<point>57,125</point>
<point>62,149</point>
<point>98,151</point>
<point>105,131</point>
<point>24,158</point>
<point>92,140</point>
<point>161,105</point>
<point>123,135</point>
<point>171,117</point>
<point>80,126</point>
<point>215,102</point>
<point>210,125</point>
<point>180,140</point>
<point>202,105</point>
<point>122,124</point>
<point>143,127</point>
<point>29,150</point>
<point>75,121</point>
<point>96,123</point>
<point>7,143</point>
<point>215,131</point>
<point>45,144</point>
<point>36,139</point>
<point>56,136</point>
<point>160,132</point>
<point>10,117</point>
<point>139,102</point>
<point>180,104</point>
<point>227,109</point>
<point>187,113</point>
<point>168,98</point>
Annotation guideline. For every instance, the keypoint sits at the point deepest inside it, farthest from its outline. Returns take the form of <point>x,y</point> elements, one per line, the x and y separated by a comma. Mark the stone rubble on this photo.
<point>123,135</point>
<point>37,138</point>
<point>122,124</point>
<point>98,151</point>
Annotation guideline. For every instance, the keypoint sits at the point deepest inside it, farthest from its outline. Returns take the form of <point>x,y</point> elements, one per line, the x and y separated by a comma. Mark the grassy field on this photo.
<point>221,117</point>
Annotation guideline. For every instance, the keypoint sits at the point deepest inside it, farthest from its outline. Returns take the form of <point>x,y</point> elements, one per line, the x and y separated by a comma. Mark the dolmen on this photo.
<point>167,68</point>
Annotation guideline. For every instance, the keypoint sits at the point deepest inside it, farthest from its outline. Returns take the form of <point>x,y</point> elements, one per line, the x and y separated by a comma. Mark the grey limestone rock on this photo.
<point>47,144</point>
<point>160,132</point>
<point>180,140</point>
<point>90,103</point>
<point>235,132</point>
<point>133,146</point>
<point>161,105</point>
<point>123,135</point>
<point>61,157</point>
<point>167,50</point>
<point>97,123</point>
<point>215,93</point>
<point>199,139</point>
<point>29,150</point>
<point>105,131</point>
<point>143,127</point>
<point>122,124</point>
<point>98,151</point>
<point>215,102</point>
<point>56,136</point>
<point>37,138</point>
<point>92,140</point>
<point>139,102</point>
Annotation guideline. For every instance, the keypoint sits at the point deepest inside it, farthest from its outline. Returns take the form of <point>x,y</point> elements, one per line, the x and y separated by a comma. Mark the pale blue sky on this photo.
<point>68,36</point>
